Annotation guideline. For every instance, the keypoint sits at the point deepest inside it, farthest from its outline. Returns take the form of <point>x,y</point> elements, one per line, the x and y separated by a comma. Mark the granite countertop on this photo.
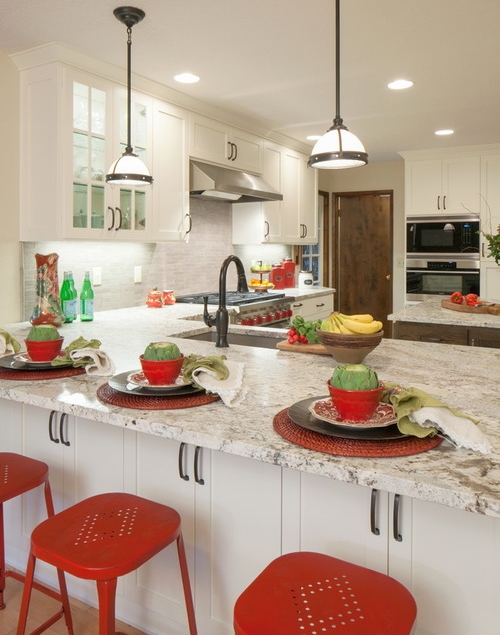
<point>431,311</point>
<point>465,378</point>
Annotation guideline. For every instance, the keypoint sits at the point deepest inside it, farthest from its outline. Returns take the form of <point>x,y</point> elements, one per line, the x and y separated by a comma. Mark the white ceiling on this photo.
<point>273,60</point>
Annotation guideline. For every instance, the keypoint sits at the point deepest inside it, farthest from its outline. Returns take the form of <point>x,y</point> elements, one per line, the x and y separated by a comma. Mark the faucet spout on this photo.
<point>222,316</point>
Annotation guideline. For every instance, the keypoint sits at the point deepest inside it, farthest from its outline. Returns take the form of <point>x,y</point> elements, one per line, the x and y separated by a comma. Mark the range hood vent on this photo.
<point>222,184</point>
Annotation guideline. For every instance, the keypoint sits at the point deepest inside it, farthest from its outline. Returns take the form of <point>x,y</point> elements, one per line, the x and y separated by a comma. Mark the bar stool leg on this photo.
<point>25,602</point>
<point>106,593</point>
<point>186,586</point>
<point>2,559</point>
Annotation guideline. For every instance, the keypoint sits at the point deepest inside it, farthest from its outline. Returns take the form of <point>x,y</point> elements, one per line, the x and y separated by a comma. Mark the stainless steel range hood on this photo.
<point>222,184</point>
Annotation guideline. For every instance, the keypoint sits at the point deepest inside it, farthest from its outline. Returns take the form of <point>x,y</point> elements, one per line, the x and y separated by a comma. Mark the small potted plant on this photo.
<point>355,391</point>
<point>161,363</point>
<point>43,343</point>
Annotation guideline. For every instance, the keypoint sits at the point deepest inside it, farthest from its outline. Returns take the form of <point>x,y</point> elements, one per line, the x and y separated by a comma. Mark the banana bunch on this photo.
<point>362,324</point>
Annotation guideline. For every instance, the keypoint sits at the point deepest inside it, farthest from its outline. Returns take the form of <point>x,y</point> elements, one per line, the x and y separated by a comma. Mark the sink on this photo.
<point>243,339</point>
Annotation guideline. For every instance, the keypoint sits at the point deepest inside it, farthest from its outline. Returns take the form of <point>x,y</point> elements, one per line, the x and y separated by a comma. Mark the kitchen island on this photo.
<point>262,495</point>
<point>428,321</point>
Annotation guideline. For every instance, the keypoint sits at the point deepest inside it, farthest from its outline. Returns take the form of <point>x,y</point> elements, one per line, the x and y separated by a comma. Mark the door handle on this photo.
<point>121,218</point>
<point>180,463</point>
<point>188,231</point>
<point>439,199</point>
<point>197,477</point>
<point>61,429</point>
<point>395,519</point>
<point>388,276</point>
<point>373,505</point>
<point>51,421</point>
<point>112,218</point>
<point>266,234</point>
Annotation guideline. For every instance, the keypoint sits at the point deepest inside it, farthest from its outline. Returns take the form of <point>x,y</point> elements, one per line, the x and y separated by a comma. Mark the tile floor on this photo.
<point>85,621</point>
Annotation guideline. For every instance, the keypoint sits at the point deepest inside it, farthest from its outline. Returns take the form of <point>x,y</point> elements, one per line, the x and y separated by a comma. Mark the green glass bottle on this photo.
<point>68,297</point>
<point>87,300</point>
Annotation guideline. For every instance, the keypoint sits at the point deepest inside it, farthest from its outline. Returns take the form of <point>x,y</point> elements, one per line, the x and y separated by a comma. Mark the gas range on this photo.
<point>250,309</point>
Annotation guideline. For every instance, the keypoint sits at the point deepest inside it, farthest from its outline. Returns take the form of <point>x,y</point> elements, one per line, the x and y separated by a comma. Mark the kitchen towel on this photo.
<point>420,415</point>
<point>217,375</point>
<point>8,344</point>
<point>86,353</point>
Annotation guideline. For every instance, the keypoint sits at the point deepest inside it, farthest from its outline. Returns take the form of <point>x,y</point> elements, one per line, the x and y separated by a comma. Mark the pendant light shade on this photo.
<point>128,169</point>
<point>338,148</point>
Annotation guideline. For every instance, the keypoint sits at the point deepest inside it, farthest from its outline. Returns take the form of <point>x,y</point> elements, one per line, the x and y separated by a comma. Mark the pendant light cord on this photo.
<point>338,121</point>
<point>129,89</point>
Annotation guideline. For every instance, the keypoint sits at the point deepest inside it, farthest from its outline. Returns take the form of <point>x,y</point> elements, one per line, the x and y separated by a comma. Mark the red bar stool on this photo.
<point>20,474</point>
<point>311,594</point>
<point>101,538</point>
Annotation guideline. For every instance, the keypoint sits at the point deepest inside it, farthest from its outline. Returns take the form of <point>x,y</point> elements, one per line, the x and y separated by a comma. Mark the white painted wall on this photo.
<point>10,277</point>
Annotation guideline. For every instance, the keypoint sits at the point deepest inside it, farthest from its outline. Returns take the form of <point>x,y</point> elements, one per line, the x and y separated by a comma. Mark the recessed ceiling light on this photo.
<point>313,137</point>
<point>443,133</point>
<point>186,78</point>
<point>400,84</point>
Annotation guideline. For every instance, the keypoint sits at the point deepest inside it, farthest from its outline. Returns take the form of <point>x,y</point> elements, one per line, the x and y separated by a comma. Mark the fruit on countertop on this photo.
<point>43,332</point>
<point>354,377</point>
<point>260,268</point>
<point>303,331</point>
<point>255,282</point>
<point>160,351</point>
<point>363,324</point>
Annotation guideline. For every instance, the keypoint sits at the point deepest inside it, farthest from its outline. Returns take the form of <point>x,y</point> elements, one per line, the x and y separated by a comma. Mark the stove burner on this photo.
<point>233,298</point>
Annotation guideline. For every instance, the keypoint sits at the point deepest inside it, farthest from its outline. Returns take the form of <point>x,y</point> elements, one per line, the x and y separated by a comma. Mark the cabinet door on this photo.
<point>490,281</point>
<point>490,201</point>
<point>153,594</point>
<point>334,518</point>
<point>171,219</point>
<point>238,532</point>
<point>290,218</point>
<point>246,151</point>
<point>455,577</point>
<point>273,210</point>
<point>309,204</point>
<point>423,195</point>
<point>461,185</point>
<point>208,139</point>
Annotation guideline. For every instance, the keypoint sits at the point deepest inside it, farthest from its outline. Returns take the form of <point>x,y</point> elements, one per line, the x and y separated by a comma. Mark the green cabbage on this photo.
<point>43,332</point>
<point>160,351</point>
<point>354,377</point>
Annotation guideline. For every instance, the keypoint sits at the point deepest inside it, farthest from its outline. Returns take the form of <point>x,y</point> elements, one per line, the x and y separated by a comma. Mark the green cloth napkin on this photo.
<point>64,359</point>
<point>407,400</point>
<point>10,342</point>
<point>214,363</point>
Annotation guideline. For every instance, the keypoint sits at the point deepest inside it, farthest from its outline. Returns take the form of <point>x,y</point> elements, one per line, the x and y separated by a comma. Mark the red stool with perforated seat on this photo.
<point>20,474</point>
<point>104,537</point>
<point>305,593</point>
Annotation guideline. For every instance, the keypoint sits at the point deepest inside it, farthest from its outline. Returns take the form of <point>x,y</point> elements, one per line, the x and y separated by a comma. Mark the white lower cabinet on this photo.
<point>313,309</point>
<point>231,524</point>
<point>490,281</point>
<point>447,558</point>
<point>84,458</point>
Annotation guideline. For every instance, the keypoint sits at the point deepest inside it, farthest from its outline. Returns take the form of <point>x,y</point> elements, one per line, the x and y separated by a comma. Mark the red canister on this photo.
<point>277,276</point>
<point>289,267</point>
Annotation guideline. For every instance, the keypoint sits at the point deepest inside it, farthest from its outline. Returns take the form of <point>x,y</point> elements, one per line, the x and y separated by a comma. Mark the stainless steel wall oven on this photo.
<point>442,256</point>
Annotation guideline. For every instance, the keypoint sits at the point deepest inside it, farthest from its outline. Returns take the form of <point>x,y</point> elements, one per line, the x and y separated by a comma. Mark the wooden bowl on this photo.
<point>347,348</point>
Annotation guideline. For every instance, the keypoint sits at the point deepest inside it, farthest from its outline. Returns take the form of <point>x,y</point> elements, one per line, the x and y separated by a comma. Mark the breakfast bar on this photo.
<point>431,519</point>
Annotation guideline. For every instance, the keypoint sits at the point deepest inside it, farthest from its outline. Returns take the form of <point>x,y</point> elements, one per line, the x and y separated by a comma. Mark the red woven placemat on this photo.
<point>116,398</point>
<point>19,375</point>
<point>405,446</point>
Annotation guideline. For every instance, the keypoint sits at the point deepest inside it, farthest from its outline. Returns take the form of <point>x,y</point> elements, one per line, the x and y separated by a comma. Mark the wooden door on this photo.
<point>362,254</point>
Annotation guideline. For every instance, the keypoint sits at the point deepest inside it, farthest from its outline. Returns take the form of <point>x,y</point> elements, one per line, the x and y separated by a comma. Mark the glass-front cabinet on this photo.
<point>99,133</point>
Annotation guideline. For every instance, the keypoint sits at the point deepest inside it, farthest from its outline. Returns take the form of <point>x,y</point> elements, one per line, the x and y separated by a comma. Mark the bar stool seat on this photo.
<point>104,537</point>
<point>20,474</point>
<point>308,593</point>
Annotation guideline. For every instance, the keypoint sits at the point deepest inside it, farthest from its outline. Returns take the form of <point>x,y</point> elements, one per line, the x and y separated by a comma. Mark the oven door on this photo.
<point>422,284</point>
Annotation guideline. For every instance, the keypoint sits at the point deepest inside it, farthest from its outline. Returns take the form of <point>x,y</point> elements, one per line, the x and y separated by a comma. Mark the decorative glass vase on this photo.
<point>48,307</point>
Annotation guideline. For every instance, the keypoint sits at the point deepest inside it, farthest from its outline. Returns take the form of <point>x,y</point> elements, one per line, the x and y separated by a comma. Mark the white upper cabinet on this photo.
<point>73,126</point>
<point>442,185</point>
<point>214,141</point>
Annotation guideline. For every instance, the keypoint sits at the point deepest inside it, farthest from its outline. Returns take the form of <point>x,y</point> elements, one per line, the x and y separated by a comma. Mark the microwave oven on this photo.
<point>450,235</point>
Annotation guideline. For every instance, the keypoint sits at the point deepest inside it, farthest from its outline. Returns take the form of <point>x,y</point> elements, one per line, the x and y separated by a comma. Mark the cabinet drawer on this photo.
<point>484,337</point>
<point>438,333</point>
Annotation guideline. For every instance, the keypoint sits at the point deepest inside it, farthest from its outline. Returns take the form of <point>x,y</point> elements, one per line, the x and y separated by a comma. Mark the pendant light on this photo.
<point>128,169</point>
<point>338,148</point>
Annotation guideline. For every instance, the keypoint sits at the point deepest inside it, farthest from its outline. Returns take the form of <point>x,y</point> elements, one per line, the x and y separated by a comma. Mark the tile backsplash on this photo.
<point>184,267</point>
